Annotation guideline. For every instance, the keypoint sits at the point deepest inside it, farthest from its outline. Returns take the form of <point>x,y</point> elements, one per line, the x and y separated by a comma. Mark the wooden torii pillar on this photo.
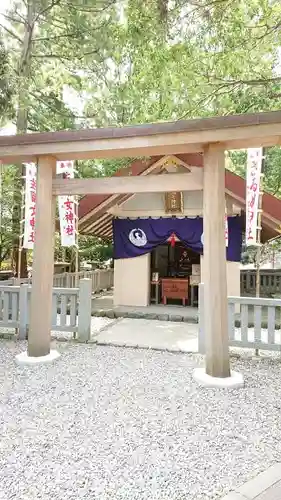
<point>43,261</point>
<point>39,336</point>
<point>217,371</point>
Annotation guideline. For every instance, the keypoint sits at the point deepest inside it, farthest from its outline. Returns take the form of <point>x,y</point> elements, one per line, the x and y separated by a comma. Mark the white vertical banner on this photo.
<point>67,214</point>
<point>30,206</point>
<point>254,163</point>
<point>67,207</point>
<point>67,210</point>
<point>226,228</point>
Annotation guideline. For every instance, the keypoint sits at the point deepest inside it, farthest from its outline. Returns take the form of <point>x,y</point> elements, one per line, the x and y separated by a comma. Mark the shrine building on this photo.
<point>158,238</point>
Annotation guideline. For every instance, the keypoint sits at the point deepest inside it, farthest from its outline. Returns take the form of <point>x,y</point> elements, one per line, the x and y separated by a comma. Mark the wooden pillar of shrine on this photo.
<point>215,284</point>
<point>39,336</point>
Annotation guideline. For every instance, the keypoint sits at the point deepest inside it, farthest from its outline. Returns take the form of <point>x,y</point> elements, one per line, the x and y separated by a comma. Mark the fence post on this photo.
<point>23,312</point>
<point>67,282</point>
<point>84,310</point>
<point>201,329</point>
<point>98,282</point>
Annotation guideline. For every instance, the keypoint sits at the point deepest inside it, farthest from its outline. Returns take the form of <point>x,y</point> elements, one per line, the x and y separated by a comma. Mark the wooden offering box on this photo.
<point>174,288</point>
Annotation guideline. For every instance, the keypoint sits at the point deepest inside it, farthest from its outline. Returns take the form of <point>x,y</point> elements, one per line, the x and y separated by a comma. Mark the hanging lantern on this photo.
<point>173,240</point>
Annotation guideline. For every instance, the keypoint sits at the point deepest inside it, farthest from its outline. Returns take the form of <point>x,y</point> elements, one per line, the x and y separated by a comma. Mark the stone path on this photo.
<point>265,486</point>
<point>150,334</point>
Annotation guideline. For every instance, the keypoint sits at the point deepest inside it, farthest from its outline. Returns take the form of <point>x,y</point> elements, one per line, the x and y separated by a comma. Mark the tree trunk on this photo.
<point>162,6</point>
<point>24,71</point>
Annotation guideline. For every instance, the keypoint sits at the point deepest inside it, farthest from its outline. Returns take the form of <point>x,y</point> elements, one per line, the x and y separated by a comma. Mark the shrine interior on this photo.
<point>175,270</point>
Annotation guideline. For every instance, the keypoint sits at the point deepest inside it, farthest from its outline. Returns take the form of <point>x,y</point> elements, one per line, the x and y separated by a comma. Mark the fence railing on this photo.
<point>71,309</point>
<point>257,325</point>
<point>270,282</point>
<point>101,279</point>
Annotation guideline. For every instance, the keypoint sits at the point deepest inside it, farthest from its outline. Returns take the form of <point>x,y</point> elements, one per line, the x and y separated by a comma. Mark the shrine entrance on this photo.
<point>175,275</point>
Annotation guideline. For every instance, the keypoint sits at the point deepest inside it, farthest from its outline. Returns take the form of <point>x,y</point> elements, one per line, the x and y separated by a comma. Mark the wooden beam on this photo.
<point>123,185</point>
<point>39,336</point>
<point>214,266</point>
<point>236,138</point>
<point>119,148</point>
<point>184,136</point>
<point>256,142</point>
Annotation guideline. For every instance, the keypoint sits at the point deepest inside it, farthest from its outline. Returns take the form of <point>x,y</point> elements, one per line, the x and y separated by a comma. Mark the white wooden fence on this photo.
<point>71,309</point>
<point>256,326</point>
<point>101,279</point>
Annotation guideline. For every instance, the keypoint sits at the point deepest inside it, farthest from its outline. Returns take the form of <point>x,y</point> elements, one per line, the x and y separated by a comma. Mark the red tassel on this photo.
<point>173,240</point>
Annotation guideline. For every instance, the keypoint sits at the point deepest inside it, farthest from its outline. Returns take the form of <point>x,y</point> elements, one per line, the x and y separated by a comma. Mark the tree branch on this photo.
<point>73,34</point>
<point>12,33</point>
<point>52,56</point>
<point>12,19</point>
<point>88,9</point>
<point>269,30</point>
<point>57,111</point>
<point>53,4</point>
<point>46,39</point>
<point>257,82</point>
<point>206,99</point>
<point>62,57</point>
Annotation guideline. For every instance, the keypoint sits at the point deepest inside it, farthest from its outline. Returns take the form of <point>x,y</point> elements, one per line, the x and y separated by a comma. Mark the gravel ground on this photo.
<point>113,423</point>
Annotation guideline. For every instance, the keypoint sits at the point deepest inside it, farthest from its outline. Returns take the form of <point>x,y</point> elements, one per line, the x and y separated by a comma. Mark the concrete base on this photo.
<point>265,486</point>
<point>235,381</point>
<point>24,359</point>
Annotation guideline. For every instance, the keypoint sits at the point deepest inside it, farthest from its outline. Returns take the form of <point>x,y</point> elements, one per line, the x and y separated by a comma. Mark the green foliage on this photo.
<point>101,168</point>
<point>7,179</point>
<point>6,86</point>
<point>144,61</point>
<point>92,249</point>
<point>210,58</point>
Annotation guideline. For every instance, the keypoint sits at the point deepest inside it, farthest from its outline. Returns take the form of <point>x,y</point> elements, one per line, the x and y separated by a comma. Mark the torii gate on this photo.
<point>211,136</point>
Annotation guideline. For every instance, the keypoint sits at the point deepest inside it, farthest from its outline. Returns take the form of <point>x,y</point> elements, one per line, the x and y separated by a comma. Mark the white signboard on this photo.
<point>254,163</point>
<point>30,205</point>
<point>67,207</point>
